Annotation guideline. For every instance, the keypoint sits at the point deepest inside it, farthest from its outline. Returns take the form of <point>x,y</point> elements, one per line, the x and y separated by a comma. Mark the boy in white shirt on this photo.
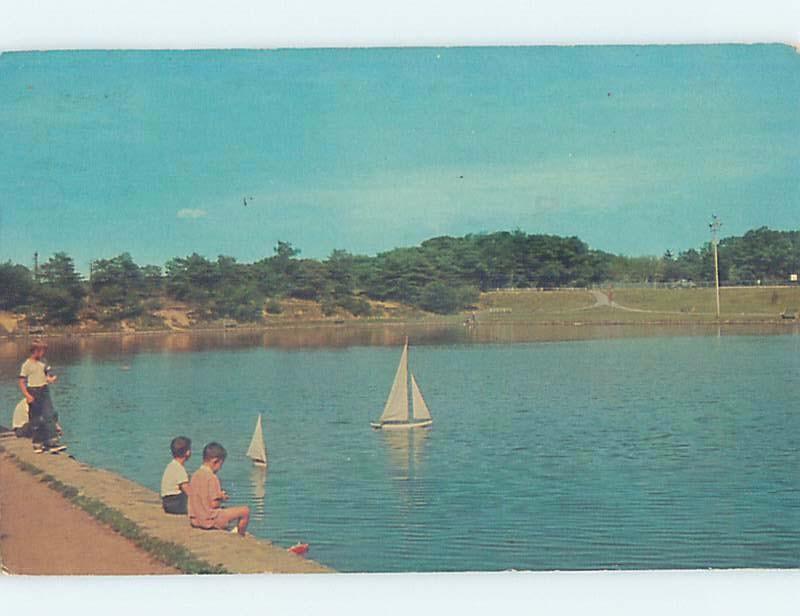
<point>34,378</point>
<point>175,480</point>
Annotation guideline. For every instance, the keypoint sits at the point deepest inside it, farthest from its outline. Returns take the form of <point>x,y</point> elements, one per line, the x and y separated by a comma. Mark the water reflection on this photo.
<point>258,491</point>
<point>120,347</point>
<point>406,451</point>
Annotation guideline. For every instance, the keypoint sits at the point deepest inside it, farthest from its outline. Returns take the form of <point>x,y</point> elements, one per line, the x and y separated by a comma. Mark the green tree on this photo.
<point>192,279</point>
<point>61,291</point>
<point>340,272</point>
<point>16,286</point>
<point>445,299</point>
<point>118,286</point>
<point>274,275</point>
<point>153,280</point>
<point>309,280</point>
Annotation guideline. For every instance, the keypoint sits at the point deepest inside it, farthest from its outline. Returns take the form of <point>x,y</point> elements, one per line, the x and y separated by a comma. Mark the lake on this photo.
<point>605,451</point>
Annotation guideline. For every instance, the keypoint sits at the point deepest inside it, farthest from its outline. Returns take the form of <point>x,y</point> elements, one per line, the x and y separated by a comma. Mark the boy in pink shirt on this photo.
<point>206,495</point>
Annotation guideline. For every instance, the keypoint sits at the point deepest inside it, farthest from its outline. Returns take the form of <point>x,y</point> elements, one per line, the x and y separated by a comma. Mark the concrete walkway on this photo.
<point>143,506</point>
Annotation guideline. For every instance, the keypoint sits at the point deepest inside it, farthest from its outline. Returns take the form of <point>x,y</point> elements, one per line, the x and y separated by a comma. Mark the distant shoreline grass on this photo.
<point>169,553</point>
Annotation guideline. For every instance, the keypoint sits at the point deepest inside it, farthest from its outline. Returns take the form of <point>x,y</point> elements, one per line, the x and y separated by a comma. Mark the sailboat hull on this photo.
<point>404,425</point>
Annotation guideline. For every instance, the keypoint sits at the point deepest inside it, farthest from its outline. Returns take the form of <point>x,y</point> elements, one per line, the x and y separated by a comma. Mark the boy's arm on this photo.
<point>216,502</point>
<point>184,487</point>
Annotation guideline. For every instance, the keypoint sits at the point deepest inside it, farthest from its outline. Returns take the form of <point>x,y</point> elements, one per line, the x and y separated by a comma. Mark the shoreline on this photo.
<point>559,309</point>
<point>433,322</point>
<point>134,512</point>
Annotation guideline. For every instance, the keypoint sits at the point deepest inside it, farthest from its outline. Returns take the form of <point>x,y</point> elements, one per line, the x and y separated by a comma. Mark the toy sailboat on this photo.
<point>257,452</point>
<point>395,414</point>
<point>298,548</point>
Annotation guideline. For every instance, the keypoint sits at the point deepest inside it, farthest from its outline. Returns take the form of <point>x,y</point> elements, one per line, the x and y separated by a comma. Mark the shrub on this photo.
<point>357,306</point>
<point>151,305</point>
<point>328,307</point>
<point>444,299</point>
<point>274,307</point>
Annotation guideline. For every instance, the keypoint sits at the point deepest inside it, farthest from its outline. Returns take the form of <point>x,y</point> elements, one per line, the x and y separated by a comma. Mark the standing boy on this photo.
<point>206,495</point>
<point>34,377</point>
<point>175,481</point>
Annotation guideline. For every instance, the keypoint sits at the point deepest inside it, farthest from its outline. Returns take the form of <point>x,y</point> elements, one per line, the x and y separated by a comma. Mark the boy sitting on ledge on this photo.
<point>206,495</point>
<point>175,481</point>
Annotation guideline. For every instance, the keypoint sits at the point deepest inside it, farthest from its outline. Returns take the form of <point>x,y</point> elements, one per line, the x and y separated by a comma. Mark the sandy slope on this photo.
<point>8,322</point>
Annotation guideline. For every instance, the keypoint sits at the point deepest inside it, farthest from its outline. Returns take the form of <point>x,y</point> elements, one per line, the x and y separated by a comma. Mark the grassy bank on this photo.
<point>765,302</point>
<point>639,306</point>
<point>171,554</point>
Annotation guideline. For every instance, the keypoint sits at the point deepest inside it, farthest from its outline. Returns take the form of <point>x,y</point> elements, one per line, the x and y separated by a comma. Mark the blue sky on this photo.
<point>630,148</point>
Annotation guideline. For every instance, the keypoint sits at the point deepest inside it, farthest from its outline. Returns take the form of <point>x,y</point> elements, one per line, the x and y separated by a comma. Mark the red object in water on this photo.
<point>299,549</point>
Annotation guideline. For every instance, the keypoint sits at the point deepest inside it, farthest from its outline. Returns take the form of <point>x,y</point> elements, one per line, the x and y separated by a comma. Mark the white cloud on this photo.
<point>192,213</point>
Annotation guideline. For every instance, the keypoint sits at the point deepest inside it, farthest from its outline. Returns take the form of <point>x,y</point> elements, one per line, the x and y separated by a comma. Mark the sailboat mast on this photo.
<point>408,380</point>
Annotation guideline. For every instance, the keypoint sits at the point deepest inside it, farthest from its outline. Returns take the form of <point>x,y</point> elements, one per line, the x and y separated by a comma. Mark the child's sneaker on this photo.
<point>57,449</point>
<point>38,448</point>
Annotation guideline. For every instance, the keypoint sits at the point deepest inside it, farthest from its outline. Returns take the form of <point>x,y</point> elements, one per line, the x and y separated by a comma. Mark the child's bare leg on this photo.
<point>244,519</point>
<point>241,514</point>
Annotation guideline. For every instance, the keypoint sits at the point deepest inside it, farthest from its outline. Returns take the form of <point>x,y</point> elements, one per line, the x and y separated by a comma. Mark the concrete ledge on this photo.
<point>142,506</point>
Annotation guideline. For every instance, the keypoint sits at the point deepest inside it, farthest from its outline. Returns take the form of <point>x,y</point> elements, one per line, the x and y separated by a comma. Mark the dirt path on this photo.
<point>43,533</point>
<point>601,300</point>
<point>143,508</point>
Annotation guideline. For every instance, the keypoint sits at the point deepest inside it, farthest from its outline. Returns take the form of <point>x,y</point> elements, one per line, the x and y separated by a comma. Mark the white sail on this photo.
<point>396,408</point>
<point>257,451</point>
<point>421,411</point>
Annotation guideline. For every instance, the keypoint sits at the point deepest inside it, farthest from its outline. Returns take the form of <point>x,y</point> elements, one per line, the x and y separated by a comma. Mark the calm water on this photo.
<point>612,453</point>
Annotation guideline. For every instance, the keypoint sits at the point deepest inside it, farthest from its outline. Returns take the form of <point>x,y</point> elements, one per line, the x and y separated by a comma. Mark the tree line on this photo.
<point>442,275</point>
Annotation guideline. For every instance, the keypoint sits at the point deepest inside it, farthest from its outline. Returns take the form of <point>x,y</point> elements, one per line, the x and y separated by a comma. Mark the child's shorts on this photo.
<point>216,522</point>
<point>175,503</point>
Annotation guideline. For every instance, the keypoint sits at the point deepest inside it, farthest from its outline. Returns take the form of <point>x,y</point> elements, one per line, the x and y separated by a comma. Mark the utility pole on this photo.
<point>714,225</point>
<point>36,266</point>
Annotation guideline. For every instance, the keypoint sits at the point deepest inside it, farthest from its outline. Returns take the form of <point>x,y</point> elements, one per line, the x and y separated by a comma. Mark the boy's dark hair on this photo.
<point>38,344</point>
<point>213,451</point>
<point>180,445</point>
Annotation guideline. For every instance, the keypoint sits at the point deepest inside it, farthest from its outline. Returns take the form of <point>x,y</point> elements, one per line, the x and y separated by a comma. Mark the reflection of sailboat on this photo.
<point>405,449</point>
<point>258,485</point>
<point>257,452</point>
<point>395,414</point>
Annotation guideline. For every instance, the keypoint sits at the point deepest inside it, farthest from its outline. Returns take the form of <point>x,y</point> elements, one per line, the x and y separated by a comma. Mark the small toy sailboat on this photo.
<point>395,414</point>
<point>298,548</point>
<point>257,452</point>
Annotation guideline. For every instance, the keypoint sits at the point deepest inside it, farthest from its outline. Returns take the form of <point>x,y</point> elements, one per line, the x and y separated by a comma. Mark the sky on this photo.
<point>632,149</point>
